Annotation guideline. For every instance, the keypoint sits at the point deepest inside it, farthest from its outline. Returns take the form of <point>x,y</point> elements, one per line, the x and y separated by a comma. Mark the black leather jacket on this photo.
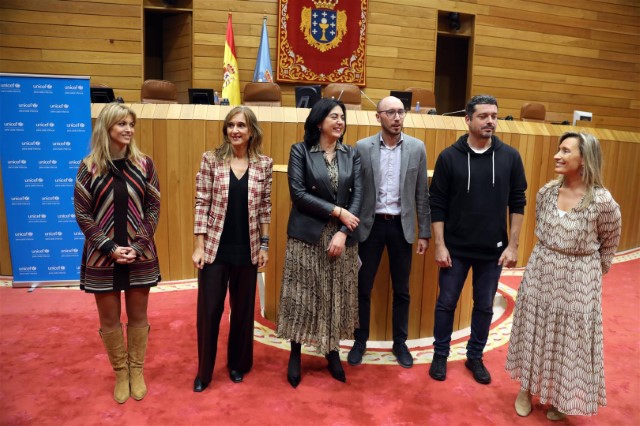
<point>311,193</point>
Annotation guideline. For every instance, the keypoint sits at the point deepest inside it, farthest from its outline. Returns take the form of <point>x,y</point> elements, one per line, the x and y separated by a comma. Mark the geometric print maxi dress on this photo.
<point>556,343</point>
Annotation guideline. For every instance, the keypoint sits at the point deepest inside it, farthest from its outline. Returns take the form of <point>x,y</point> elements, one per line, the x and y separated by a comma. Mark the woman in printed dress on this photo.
<point>319,296</point>
<point>556,344</point>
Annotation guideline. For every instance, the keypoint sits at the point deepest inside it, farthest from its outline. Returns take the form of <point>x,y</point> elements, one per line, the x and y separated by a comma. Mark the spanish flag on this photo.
<point>231,83</point>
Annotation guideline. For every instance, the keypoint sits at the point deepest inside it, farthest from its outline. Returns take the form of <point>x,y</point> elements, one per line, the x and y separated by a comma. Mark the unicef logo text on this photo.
<point>67,216</point>
<point>27,269</point>
<point>21,198</point>
<point>75,125</point>
<point>37,216</point>
<point>47,162</point>
<point>51,198</point>
<point>23,234</point>
<point>53,234</point>
<point>13,124</point>
<point>10,86</point>
<point>40,253</point>
<point>43,86</point>
<point>61,144</point>
<point>28,105</point>
<point>30,143</point>
<point>45,125</point>
<point>34,181</point>
<point>57,268</point>
<point>59,106</point>
<point>74,87</point>
<point>17,164</point>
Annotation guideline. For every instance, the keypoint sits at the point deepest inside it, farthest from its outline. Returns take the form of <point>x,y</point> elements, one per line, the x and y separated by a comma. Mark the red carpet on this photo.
<point>55,372</point>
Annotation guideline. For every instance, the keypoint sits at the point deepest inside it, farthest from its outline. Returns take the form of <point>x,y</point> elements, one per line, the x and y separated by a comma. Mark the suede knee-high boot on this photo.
<point>137,338</point>
<point>114,344</point>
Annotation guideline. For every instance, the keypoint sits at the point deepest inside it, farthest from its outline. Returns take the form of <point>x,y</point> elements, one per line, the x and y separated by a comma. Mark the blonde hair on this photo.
<point>224,151</point>
<point>591,153</point>
<point>99,159</point>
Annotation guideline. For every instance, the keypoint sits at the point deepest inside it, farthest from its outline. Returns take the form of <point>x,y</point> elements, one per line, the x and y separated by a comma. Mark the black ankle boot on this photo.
<point>293,370</point>
<point>335,366</point>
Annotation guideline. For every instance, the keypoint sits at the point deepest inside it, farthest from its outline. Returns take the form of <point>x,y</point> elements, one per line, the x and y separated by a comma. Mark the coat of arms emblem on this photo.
<point>322,26</point>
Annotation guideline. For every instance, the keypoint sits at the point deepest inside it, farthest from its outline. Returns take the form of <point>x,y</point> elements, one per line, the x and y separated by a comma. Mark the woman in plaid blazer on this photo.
<point>232,216</point>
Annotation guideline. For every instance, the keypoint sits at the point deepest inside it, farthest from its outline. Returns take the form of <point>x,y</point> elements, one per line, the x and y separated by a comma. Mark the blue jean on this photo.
<point>451,281</point>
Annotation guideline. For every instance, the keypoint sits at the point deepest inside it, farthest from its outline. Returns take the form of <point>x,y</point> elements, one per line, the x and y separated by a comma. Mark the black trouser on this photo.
<point>385,233</point>
<point>212,290</point>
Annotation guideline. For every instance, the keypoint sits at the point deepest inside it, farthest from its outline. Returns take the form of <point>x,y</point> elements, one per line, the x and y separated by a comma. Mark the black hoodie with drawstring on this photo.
<point>471,192</point>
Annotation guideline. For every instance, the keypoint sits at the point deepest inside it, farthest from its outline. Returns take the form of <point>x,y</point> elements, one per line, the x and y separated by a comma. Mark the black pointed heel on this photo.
<point>293,370</point>
<point>294,381</point>
<point>335,366</point>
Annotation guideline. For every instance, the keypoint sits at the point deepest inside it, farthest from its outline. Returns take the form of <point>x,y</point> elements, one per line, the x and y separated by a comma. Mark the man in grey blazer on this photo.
<point>395,193</point>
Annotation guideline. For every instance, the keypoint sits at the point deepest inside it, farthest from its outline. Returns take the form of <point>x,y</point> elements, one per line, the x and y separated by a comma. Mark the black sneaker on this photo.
<point>438,369</point>
<point>356,353</point>
<point>404,357</point>
<point>480,373</point>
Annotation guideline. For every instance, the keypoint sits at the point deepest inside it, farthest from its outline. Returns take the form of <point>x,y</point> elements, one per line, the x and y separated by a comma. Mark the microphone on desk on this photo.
<point>368,98</point>
<point>432,111</point>
<point>454,112</point>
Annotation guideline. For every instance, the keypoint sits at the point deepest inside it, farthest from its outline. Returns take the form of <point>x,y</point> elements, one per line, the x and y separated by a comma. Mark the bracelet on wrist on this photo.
<point>264,248</point>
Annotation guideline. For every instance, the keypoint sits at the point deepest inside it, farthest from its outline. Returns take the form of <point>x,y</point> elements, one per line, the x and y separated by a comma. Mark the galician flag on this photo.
<point>231,83</point>
<point>263,72</point>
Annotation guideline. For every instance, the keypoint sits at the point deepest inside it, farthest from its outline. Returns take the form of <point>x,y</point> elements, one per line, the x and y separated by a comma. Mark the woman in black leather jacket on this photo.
<point>319,296</point>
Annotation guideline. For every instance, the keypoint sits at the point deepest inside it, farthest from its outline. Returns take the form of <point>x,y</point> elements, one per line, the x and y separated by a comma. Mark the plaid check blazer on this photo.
<point>212,195</point>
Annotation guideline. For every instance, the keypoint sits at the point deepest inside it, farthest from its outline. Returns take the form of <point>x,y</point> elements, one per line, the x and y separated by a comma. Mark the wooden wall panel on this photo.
<point>177,36</point>
<point>101,40</point>
<point>5,253</point>
<point>583,54</point>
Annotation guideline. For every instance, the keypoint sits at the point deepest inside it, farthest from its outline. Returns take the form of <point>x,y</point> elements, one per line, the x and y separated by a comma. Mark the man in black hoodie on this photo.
<point>474,182</point>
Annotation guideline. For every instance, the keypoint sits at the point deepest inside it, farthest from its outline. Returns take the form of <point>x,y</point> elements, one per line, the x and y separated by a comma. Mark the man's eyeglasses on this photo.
<point>391,113</point>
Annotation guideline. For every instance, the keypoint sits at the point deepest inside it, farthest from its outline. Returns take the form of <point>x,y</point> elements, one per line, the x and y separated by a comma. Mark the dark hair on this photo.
<point>477,100</point>
<point>318,113</point>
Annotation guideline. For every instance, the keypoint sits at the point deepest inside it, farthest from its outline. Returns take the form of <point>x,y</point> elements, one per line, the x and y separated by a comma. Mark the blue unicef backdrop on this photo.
<point>46,126</point>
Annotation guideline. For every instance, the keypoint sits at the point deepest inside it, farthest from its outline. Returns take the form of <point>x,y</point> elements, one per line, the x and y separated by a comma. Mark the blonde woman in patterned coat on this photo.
<point>232,216</point>
<point>556,345</point>
<point>117,206</point>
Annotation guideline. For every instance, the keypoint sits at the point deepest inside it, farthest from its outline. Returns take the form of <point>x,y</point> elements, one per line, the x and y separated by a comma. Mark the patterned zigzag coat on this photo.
<point>98,205</point>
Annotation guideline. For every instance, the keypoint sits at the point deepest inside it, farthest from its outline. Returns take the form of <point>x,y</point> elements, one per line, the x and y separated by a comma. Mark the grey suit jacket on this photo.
<point>414,187</point>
